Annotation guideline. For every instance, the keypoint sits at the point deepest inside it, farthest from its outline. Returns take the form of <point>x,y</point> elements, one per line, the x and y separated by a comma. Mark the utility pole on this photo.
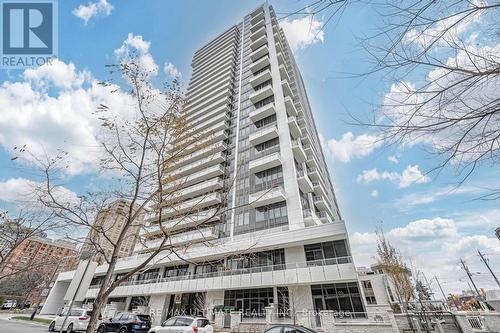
<point>442,292</point>
<point>466,269</point>
<point>483,259</point>
<point>429,286</point>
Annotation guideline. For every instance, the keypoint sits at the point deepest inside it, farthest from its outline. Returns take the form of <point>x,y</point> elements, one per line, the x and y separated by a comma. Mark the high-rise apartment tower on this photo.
<point>281,241</point>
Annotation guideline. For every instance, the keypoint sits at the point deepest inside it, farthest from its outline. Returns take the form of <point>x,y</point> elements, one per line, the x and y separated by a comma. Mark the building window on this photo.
<point>148,275</point>
<point>252,302</point>
<point>209,267</point>
<point>344,298</point>
<point>274,260</point>
<point>319,252</point>
<point>268,178</point>
<point>371,300</point>
<point>174,271</point>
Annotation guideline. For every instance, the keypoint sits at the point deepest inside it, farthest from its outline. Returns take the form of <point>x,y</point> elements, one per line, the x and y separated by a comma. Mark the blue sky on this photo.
<point>427,217</point>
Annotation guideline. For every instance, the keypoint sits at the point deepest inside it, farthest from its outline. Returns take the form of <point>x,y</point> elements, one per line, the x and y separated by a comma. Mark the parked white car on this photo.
<point>78,320</point>
<point>184,324</point>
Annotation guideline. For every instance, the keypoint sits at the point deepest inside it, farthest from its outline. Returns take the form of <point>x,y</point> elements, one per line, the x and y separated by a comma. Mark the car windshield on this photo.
<point>143,317</point>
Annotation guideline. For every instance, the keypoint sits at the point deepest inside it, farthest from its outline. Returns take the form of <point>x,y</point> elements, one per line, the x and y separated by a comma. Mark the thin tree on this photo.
<point>393,264</point>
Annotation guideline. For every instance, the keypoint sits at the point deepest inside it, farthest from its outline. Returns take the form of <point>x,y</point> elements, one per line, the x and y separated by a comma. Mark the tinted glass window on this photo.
<point>183,322</point>
<point>169,322</point>
<point>143,317</point>
<point>274,330</point>
<point>290,330</point>
<point>117,316</point>
<point>202,322</point>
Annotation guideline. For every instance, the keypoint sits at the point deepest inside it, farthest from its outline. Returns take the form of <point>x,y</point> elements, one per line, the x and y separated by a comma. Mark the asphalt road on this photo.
<point>15,326</point>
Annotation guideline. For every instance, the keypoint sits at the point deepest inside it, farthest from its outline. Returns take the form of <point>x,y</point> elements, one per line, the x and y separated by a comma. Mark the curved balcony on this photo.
<point>261,78</point>
<point>259,64</point>
<point>258,42</point>
<point>290,107</point>
<point>298,151</point>
<point>265,162</point>
<point>259,53</point>
<point>263,135</point>
<point>262,112</point>
<point>294,127</point>
<point>304,182</point>
<point>267,197</point>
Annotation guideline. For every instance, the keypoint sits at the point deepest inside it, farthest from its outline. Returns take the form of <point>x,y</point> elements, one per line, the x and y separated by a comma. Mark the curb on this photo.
<point>29,322</point>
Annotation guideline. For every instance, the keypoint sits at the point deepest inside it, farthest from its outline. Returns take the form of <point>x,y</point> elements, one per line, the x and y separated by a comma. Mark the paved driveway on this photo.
<point>15,326</point>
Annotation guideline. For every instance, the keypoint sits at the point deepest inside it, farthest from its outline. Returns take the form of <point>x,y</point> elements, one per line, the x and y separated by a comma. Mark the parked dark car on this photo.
<point>289,329</point>
<point>126,322</point>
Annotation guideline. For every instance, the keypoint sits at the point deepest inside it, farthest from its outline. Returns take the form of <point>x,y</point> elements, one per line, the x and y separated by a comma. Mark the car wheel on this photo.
<point>123,330</point>
<point>70,328</point>
<point>100,329</point>
<point>52,326</point>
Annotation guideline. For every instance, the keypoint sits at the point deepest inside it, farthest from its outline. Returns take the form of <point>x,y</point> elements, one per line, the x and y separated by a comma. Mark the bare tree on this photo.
<point>442,58</point>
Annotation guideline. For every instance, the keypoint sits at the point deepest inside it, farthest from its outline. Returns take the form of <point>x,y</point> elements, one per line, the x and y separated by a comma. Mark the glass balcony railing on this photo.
<point>252,270</point>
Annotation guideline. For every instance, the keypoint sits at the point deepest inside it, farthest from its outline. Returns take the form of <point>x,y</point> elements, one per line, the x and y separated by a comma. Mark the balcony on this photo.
<point>190,206</point>
<point>314,173</point>
<point>260,52</point>
<point>199,189</point>
<point>294,127</point>
<point>259,64</point>
<point>265,162</point>
<point>290,107</point>
<point>258,33</point>
<point>262,93</point>
<point>185,222</point>
<point>304,182</point>
<point>203,152</point>
<point>261,78</point>
<point>258,42</point>
<point>201,164</point>
<point>287,91</point>
<point>281,59</point>
<point>263,135</point>
<point>193,178</point>
<point>279,48</point>
<point>262,112</point>
<point>304,273</point>
<point>310,150</point>
<point>298,151</point>
<point>324,217</point>
<point>257,16</point>
<point>258,25</point>
<point>311,162</point>
<point>191,237</point>
<point>319,189</point>
<point>322,204</point>
<point>284,73</point>
<point>267,197</point>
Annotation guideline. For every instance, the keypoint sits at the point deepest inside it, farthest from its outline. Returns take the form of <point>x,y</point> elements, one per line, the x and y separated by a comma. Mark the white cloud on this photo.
<point>433,246</point>
<point>374,193</point>
<point>92,9</point>
<point>24,190</point>
<point>424,106</point>
<point>303,32</point>
<point>50,120</point>
<point>421,198</point>
<point>411,175</point>
<point>171,70</point>
<point>135,46</point>
<point>393,159</point>
<point>349,147</point>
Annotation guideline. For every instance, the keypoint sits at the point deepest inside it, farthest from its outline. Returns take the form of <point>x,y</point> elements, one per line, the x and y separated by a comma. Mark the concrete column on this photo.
<point>327,321</point>
<point>295,254</point>
<point>235,320</point>
<point>157,305</point>
<point>270,314</point>
<point>294,206</point>
<point>55,300</point>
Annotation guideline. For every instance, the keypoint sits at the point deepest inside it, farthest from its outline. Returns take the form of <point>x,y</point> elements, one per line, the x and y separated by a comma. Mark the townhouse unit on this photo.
<point>280,240</point>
